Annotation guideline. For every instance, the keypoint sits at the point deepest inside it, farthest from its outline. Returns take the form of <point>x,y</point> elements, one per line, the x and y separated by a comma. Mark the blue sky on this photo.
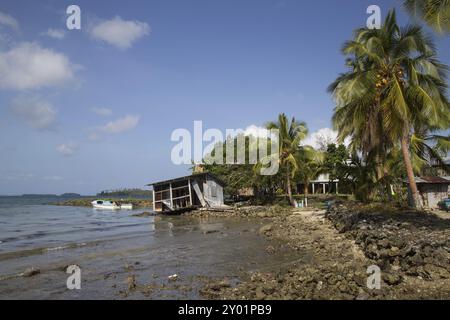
<point>96,108</point>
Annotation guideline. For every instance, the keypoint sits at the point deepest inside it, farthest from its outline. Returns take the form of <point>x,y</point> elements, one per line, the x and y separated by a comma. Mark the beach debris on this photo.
<point>270,249</point>
<point>265,229</point>
<point>173,277</point>
<point>131,282</point>
<point>29,272</point>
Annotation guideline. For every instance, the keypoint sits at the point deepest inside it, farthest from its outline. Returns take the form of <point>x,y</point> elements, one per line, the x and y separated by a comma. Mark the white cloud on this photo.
<point>252,130</point>
<point>67,149</point>
<point>120,125</point>
<point>321,138</point>
<point>119,32</point>
<point>259,132</point>
<point>55,33</point>
<point>38,113</point>
<point>102,111</point>
<point>9,21</point>
<point>29,66</point>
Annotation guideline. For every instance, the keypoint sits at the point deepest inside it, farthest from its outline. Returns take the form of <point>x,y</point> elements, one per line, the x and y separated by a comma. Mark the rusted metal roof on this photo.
<point>431,179</point>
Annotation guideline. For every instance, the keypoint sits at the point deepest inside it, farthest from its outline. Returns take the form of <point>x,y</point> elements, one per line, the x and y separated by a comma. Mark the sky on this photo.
<point>93,109</point>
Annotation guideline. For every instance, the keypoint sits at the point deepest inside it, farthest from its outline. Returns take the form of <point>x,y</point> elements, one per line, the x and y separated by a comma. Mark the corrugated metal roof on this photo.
<point>431,179</point>
<point>196,175</point>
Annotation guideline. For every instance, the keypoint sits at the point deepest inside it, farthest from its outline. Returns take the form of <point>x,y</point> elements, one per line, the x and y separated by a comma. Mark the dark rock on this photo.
<point>391,279</point>
<point>29,272</point>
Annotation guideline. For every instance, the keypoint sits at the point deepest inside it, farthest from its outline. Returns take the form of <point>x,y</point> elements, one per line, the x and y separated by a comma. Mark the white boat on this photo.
<point>111,205</point>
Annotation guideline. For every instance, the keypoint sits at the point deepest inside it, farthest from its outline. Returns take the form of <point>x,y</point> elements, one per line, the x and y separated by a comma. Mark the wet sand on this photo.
<point>138,266</point>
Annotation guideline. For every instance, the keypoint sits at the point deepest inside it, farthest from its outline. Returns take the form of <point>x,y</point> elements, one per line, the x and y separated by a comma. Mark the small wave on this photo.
<point>68,246</point>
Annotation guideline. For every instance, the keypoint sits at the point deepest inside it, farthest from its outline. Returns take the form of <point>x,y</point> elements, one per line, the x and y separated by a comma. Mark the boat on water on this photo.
<point>111,205</point>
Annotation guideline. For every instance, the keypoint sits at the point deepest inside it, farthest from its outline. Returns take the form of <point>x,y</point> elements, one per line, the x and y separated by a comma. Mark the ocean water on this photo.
<point>112,246</point>
<point>31,223</point>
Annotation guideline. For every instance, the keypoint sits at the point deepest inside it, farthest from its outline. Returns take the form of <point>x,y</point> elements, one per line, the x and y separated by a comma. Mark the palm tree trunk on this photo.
<point>414,201</point>
<point>288,185</point>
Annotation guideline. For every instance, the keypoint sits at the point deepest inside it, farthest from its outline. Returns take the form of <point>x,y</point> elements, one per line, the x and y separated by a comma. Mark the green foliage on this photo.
<point>393,95</point>
<point>335,161</point>
<point>435,13</point>
<point>126,193</point>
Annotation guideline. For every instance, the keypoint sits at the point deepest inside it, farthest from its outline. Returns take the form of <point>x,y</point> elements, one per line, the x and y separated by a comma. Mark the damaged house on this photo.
<point>201,190</point>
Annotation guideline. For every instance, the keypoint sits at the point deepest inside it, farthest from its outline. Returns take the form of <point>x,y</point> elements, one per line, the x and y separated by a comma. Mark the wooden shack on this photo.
<point>201,190</point>
<point>432,190</point>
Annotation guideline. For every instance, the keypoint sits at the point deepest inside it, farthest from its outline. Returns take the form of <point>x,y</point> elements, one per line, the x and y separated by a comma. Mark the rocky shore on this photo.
<point>405,243</point>
<point>410,248</point>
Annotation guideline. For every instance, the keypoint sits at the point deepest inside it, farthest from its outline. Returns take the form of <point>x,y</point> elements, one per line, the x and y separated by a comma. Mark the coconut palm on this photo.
<point>290,135</point>
<point>395,83</point>
<point>435,13</point>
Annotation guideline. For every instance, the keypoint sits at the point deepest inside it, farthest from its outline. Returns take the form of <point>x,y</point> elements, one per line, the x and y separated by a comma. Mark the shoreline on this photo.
<point>290,253</point>
<point>418,269</point>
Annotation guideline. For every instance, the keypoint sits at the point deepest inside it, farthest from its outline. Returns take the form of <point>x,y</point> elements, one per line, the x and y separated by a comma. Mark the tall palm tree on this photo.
<point>395,82</point>
<point>435,13</point>
<point>290,135</point>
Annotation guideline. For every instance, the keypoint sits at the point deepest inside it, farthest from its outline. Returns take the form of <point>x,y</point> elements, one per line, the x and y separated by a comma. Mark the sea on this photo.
<point>121,255</point>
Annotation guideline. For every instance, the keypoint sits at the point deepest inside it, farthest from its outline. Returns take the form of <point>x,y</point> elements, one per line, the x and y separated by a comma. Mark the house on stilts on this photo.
<point>201,190</point>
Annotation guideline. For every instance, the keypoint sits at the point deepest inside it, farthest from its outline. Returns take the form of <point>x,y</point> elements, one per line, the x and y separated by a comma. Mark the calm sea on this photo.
<point>31,222</point>
<point>112,246</point>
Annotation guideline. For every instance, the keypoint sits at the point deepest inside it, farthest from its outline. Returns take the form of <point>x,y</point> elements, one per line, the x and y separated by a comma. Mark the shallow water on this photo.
<point>110,247</point>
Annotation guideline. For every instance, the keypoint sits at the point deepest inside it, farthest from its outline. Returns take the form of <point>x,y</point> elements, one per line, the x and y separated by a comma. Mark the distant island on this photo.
<point>64,195</point>
<point>126,193</point>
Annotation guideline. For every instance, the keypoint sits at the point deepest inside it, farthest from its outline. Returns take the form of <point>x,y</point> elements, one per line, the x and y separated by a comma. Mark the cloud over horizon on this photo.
<point>120,33</point>
<point>58,34</point>
<point>120,125</point>
<point>29,66</point>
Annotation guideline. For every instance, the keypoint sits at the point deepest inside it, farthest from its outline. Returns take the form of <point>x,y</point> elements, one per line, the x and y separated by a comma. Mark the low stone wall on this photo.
<point>408,243</point>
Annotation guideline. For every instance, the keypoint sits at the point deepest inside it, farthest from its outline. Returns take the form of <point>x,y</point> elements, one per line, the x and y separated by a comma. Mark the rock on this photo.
<point>395,251</point>
<point>436,272</point>
<point>210,231</point>
<point>416,259</point>
<point>29,272</point>
<point>131,282</point>
<point>265,229</point>
<point>260,295</point>
<point>270,249</point>
<point>391,279</point>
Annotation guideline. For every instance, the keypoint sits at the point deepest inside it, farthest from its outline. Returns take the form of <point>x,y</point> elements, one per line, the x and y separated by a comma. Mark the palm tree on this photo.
<point>290,135</point>
<point>435,13</point>
<point>395,82</point>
